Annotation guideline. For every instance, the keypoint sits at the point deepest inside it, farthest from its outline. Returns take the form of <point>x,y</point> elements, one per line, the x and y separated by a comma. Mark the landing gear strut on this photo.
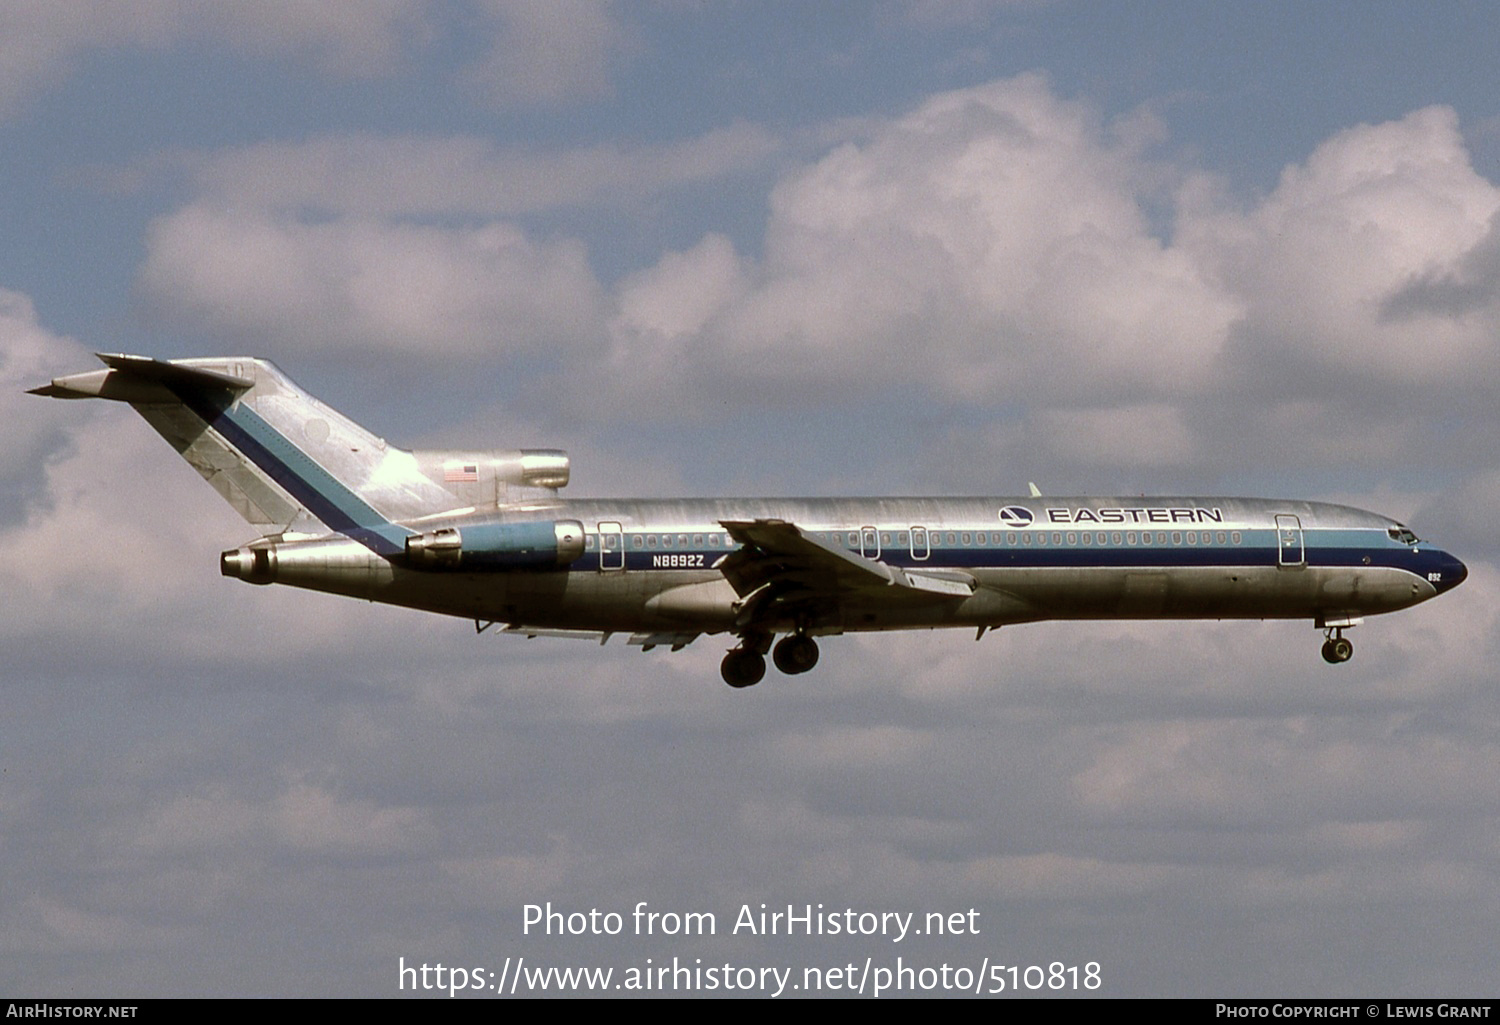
<point>1336,648</point>
<point>795,653</point>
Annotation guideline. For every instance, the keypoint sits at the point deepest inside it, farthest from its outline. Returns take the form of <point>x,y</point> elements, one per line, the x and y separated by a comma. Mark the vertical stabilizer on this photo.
<point>280,457</point>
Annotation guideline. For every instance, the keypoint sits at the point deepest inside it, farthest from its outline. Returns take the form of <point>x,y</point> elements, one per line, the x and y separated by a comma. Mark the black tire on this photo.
<point>743,668</point>
<point>795,653</point>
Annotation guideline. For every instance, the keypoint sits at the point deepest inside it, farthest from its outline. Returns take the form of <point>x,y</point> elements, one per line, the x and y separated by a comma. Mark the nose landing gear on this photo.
<point>1336,648</point>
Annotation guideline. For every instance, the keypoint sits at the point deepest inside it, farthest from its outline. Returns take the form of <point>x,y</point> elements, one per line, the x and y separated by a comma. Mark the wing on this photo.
<point>785,573</point>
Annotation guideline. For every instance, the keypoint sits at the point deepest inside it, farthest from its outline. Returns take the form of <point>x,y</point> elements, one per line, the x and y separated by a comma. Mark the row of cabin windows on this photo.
<point>665,541</point>
<point>939,539</point>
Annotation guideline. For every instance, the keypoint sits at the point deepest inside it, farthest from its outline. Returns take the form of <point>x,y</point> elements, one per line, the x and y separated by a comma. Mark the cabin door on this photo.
<point>919,548</point>
<point>611,547</point>
<point>1289,544</point>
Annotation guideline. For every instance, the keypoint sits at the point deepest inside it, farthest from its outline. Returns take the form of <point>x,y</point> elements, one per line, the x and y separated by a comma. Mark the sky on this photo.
<point>896,247</point>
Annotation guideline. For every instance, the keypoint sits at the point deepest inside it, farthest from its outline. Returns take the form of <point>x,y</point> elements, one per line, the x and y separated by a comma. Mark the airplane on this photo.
<point>484,535</point>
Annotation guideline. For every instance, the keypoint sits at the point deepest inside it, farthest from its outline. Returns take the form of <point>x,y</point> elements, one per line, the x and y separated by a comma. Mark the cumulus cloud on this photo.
<point>37,430</point>
<point>990,250</point>
<point>1346,236</point>
<point>371,285</point>
<point>1468,286</point>
<point>997,229</point>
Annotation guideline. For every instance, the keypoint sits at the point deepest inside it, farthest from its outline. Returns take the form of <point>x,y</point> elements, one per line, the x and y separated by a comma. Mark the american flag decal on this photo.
<point>468,473</point>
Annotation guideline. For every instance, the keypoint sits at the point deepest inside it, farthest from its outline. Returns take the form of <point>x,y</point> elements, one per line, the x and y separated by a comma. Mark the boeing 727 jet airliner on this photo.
<point>484,535</point>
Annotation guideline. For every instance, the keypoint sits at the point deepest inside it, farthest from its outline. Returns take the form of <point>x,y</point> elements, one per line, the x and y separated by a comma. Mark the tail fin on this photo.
<point>279,456</point>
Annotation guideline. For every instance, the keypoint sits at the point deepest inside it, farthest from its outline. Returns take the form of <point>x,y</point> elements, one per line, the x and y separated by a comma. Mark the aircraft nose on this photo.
<point>1451,572</point>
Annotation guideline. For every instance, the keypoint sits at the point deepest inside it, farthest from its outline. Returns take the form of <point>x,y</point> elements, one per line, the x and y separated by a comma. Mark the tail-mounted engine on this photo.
<point>545,544</point>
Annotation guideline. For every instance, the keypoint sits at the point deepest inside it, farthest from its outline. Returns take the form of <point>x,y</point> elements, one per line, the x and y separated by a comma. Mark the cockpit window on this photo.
<point>1402,534</point>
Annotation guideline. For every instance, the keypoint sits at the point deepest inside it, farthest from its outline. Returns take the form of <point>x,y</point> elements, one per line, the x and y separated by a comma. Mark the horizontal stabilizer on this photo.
<point>173,374</point>
<point>138,379</point>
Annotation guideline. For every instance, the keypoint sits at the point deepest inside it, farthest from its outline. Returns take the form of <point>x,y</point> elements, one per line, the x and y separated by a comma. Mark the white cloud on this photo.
<point>375,176</point>
<point>989,250</point>
<point>1151,434</point>
<point>30,356</point>
<point>364,285</point>
<point>988,245</point>
<point>1372,210</point>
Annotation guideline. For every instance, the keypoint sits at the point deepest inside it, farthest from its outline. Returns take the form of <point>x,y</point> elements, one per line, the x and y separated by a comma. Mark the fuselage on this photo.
<point>654,565</point>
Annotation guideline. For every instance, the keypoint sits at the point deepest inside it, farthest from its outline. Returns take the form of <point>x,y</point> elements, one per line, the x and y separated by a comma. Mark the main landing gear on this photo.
<point>1336,648</point>
<point>795,653</point>
<point>745,665</point>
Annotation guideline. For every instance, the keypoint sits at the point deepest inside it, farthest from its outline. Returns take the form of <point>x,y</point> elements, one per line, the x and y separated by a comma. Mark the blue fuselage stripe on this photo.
<point>1340,548</point>
<point>306,481</point>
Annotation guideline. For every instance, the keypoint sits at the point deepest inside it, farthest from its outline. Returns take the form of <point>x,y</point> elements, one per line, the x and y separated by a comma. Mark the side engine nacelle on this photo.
<point>544,544</point>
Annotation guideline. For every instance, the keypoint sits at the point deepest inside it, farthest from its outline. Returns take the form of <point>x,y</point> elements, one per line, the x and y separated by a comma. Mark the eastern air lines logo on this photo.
<point>1016,516</point>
